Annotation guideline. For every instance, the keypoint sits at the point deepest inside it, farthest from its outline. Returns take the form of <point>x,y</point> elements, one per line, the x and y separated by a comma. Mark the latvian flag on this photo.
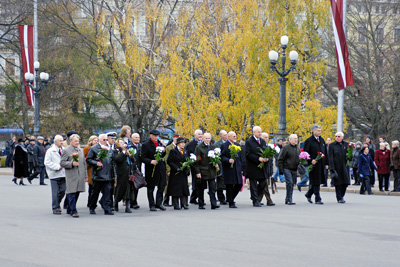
<point>26,40</point>
<point>345,77</point>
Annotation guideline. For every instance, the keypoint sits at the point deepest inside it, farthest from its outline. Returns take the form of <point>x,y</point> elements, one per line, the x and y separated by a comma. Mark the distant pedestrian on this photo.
<point>93,140</point>
<point>396,165</point>
<point>365,164</point>
<point>382,161</point>
<point>39,152</point>
<point>20,162</point>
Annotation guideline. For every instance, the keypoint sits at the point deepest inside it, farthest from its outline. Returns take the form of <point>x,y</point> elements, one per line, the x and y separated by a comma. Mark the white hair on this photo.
<point>255,128</point>
<point>315,127</point>
<point>74,136</point>
<point>340,133</point>
<point>222,132</point>
<point>292,136</point>
<point>198,131</point>
<point>204,135</point>
<point>58,137</point>
<point>396,143</point>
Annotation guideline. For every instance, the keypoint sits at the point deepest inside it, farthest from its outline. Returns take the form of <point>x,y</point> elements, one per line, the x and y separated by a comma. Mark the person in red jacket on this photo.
<point>382,161</point>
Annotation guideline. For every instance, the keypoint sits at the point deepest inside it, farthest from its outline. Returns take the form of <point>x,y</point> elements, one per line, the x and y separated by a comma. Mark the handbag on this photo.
<point>138,181</point>
<point>334,175</point>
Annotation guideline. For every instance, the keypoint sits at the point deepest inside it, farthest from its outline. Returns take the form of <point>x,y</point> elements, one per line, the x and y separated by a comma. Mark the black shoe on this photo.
<point>166,205</point>
<point>308,199</point>
<point>341,201</point>
<point>116,207</point>
<point>290,203</point>
<point>299,187</point>
<point>362,193</point>
<point>256,204</point>
<point>371,193</point>
<point>224,203</point>
<point>30,180</point>
<point>381,190</point>
<point>232,206</point>
<point>128,209</point>
<point>185,207</point>
<point>194,202</point>
<point>153,209</point>
<point>21,183</point>
<point>177,208</point>
<point>92,212</point>
<point>214,207</point>
<point>271,204</point>
<point>161,207</point>
<point>262,204</point>
<point>42,184</point>
<point>201,208</point>
<point>135,207</point>
<point>319,202</point>
<point>15,181</point>
<point>108,212</point>
<point>395,191</point>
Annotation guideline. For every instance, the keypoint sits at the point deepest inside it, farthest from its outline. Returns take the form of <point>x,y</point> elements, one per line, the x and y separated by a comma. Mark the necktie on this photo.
<point>59,151</point>
<point>258,140</point>
<point>318,139</point>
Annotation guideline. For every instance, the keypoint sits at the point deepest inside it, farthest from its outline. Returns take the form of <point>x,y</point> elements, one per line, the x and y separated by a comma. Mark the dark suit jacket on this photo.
<point>147,155</point>
<point>203,166</point>
<point>252,155</point>
<point>312,146</point>
<point>231,175</point>
<point>189,148</point>
<point>38,155</point>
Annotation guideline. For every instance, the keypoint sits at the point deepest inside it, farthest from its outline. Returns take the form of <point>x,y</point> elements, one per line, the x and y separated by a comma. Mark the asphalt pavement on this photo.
<point>361,232</point>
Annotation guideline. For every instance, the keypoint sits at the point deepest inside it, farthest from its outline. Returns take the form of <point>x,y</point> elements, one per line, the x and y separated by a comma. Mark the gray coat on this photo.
<point>74,176</point>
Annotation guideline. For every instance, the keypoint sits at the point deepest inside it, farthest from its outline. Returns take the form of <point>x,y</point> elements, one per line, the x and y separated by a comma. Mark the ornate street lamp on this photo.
<point>44,78</point>
<point>273,57</point>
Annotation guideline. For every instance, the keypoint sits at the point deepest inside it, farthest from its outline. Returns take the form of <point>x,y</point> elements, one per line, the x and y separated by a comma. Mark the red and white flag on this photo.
<point>26,40</point>
<point>345,77</point>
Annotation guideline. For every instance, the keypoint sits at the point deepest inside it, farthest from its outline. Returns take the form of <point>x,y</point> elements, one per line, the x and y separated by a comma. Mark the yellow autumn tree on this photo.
<point>218,76</point>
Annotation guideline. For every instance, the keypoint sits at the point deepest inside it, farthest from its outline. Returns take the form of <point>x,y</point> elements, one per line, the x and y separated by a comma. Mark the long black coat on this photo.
<point>20,162</point>
<point>124,166</point>
<point>337,162</point>
<point>147,155</point>
<point>231,175</point>
<point>252,155</point>
<point>204,166</point>
<point>178,181</point>
<point>312,146</point>
<point>189,148</point>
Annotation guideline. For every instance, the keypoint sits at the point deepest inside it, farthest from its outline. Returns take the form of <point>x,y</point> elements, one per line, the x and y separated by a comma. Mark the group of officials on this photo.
<point>69,167</point>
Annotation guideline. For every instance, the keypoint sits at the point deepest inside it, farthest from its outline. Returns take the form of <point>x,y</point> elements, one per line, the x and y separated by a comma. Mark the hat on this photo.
<point>46,140</point>
<point>368,136</point>
<point>112,134</point>
<point>40,138</point>
<point>20,140</point>
<point>175,136</point>
<point>71,133</point>
<point>180,140</point>
<point>155,132</point>
<point>30,140</point>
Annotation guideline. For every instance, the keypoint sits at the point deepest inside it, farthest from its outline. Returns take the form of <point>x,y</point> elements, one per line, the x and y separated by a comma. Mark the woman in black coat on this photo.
<point>20,162</point>
<point>124,166</point>
<point>178,183</point>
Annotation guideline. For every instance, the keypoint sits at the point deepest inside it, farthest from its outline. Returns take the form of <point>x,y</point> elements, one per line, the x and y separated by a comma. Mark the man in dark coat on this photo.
<point>20,162</point>
<point>39,153</point>
<point>31,158</point>
<point>220,179</point>
<point>155,172</point>
<point>205,172</point>
<point>101,176</point>
<point>232,174</point>
<point>288,162</point>
<point>314,145</point>
<point>337,166</point>
<point>190,147</point>
<point>138,146</point>
<point>268,169</point>
<point>258,181</point>
<point>11,144</point>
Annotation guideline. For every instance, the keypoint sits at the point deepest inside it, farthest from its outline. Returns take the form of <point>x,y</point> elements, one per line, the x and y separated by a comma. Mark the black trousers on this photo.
<point>105,188</point>
<point>175,201</point>
<point>232,190</point>
<point>256,188</point>
<point>193,196</point>
<point>159,195</point>
<point>365,185</point>
<point>314,190</point>
<point>212,187</point>
<point>135,195</point>
<point>340,191</point>
<point>382,178</point>
<point>396,176</point>
<point>372,177</point>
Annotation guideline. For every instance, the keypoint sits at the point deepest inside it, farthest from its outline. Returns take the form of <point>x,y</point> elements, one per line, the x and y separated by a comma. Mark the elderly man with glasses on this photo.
<point>337,166</point>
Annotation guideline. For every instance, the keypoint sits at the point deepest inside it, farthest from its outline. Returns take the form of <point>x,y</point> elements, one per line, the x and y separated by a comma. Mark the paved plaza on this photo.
<point>362,232</point>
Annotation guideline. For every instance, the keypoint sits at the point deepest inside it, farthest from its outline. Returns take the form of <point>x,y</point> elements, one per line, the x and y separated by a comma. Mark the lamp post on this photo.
<point>273,57</point>
<point>44,78</point>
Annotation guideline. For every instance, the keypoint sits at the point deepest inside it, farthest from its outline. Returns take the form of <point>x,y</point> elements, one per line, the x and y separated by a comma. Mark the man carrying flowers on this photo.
<point>206,170</point>
<point>315,146</point>
<point>231,168</point>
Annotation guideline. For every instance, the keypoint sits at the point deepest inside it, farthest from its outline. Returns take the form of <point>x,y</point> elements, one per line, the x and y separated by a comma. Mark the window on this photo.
<point>395,10</point>
<point>397,35</point>
<point>379,35</point>
<point>10,66</point>
<point>377,9</point>
<point>362,32</point>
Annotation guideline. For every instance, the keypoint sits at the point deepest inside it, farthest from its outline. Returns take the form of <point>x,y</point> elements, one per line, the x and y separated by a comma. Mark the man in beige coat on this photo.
<point>75,173</point>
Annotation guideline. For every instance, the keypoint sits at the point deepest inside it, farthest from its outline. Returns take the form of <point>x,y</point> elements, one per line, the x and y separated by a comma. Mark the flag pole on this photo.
<point>340,107</point>
<point>35,34</point>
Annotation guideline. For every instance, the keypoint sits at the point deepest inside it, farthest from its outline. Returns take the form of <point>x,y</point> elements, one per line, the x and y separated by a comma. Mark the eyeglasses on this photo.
<point>105,139</point>
<point>338,136</point>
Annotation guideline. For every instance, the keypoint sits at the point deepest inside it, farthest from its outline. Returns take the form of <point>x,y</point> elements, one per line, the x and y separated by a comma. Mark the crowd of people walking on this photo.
<point>118,167</point>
